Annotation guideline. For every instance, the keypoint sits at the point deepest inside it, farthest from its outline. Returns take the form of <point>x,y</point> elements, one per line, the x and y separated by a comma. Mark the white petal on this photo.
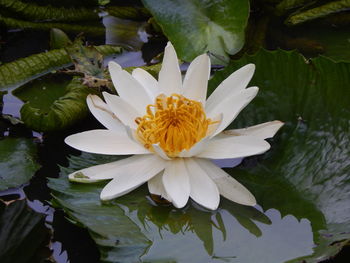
<point>160,152</point>
<point>101,172</point>
<point>227,185</point>
<point>170,80</point>
<point>129,88</point>
<point>105,142</point>
<point>149,83</point>
<point>196,79</point>
<point>263,130</point>
<point>131,176</point>
<point>176,182</point>
<point>156,187</point>
<point>195,149</point>
<point>122,109</point>
<point>231,106</point>
<point>233,147</point>
<point>235,83</point>
<point>103,114</point>
<point>203,190</point>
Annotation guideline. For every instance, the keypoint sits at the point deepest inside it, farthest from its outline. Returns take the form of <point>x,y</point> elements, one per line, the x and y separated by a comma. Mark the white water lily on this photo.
<point>173,132</point>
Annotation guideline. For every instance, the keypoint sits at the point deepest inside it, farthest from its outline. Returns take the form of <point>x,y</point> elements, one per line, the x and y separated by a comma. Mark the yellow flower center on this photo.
<point>175,123</point>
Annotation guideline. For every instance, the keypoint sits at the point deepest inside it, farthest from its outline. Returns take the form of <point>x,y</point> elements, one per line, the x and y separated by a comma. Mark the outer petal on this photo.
<point>149,83</point>
<point>196,79</point>
<point>170,80</point>
<point>263,130</point>
<point>176,182</point>
<point>105,142</point>
<point>101,172</point>
<point>234,147</point>
<point>103,114</point>
<point>122,109</point>
<point>128,88</point>
<point>227,185</point>
<point>156,187</point>
<point>231,107</point>
<point>235,83</point>
<point>131,176</point>
<point>203,189</point>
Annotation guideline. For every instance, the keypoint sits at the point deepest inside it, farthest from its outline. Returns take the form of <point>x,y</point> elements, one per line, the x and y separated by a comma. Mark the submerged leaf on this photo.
<point>17,161</point>
<point>53,104</point>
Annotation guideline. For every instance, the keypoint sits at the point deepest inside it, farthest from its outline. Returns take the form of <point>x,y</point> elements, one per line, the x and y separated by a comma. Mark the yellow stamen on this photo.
<point>175,123</point>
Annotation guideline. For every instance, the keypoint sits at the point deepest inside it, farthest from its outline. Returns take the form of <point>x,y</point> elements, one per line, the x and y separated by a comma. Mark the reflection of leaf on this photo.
<point>53,104</point>
<point>307,173</point>
<point>17,164</point>
<point>119,239</point>
<point>24,69</point>
<point>197,26</point>
<point>37,12</point>
<point>22,233</point>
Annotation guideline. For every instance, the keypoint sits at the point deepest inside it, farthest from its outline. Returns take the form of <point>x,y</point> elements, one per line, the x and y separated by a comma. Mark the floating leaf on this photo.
<point>48,12</point>
<point>317,12</point>
<point>24,69</point>
<point>53,104</point>
<point>129,12</point>
<point>58,39</point>
<point>197,26</point>
<point>23,235</point>
<point>306,173</point>
<point>17,161</point>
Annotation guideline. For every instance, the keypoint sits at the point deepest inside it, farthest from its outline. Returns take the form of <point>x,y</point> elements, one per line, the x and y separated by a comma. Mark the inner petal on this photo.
<point>175,123</point>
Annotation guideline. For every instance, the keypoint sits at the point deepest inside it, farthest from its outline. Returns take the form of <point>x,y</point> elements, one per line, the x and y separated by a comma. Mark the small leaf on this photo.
<point>58,39</point>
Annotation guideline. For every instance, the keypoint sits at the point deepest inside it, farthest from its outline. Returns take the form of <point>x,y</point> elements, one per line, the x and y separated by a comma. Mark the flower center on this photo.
<point>175,123</point>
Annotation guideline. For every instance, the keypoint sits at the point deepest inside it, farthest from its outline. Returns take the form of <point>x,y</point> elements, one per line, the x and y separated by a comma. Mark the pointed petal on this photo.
<point>122,109</point>
<point>129,88</point>
<point>103,114</point>
<point>195,149</point>
<point>196,79</point>
<point>231,106</point>
<point>227,185</point>
<point>149,83</point>
<point>160,152</point>
<point>203,189</point>
<point>176,182</point>
<point>263,130</point>
<point>101,172</point>
<point>234,84</point>
<point>169,79</point>
<point>156,187</point>
<point>234,147</point>
<point>105,142</point>
<point>129,177</point>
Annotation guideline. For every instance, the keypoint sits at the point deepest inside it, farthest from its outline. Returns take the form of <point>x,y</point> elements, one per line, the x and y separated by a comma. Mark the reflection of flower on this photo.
<point>173,132</point>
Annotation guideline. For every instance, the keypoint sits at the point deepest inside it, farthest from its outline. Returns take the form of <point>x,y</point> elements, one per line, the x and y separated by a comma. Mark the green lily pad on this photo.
<point>197,26</point>
<point>17,161</point>
<point>302,183</point>
<point>53,103</point>
<point>23,235</point>
<point>309,159</point>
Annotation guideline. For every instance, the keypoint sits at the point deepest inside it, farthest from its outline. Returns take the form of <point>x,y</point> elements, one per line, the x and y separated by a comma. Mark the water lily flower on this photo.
<point>173,132</point>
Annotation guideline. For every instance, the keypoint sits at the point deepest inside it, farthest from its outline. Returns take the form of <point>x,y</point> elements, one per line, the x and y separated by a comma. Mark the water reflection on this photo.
<point>229,234</point>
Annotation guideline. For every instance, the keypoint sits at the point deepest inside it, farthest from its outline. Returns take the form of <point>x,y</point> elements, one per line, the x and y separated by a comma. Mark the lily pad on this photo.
<point>17,161</point>
<point>302,183</point>
<point>23,235</point>
<point>197,26</point>
<point>53,103</point>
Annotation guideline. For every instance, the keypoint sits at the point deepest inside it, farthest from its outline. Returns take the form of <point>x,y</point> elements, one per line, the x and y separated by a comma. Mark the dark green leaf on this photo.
<point>197,26</point>
<point>23,235</point>
<point>17,161</point>
<point>307,171</point>
<point>58,39</point>
<point>53,104</point>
